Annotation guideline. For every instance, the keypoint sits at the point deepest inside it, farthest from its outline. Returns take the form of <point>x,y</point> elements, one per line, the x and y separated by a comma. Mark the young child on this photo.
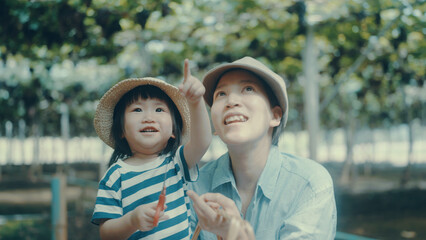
<point>282,196</point>
<point>147,123</point>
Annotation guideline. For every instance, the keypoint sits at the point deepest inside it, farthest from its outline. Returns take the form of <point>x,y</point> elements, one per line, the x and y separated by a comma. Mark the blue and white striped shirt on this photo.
<point>125,187</point>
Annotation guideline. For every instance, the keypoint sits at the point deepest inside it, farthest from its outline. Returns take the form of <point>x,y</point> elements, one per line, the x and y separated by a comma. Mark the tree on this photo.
<point>73,51</point>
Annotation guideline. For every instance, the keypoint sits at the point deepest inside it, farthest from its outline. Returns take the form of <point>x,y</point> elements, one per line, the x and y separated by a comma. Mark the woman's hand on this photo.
<point>219,215</point>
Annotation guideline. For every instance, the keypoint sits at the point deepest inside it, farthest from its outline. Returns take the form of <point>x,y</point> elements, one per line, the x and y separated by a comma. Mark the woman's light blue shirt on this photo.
<point>294,197</point>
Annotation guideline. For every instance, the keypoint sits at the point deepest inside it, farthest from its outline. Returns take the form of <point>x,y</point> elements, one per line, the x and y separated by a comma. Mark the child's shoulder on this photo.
<point>114,167</point>
<point>112,173</point>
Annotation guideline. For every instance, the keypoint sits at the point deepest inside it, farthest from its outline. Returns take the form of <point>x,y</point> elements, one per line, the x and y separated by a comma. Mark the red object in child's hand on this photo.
<point>160,205</point>
<point>161,200</point>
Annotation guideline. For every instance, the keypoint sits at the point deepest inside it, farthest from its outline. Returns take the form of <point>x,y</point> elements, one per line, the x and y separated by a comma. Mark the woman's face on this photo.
<point>241,112</point>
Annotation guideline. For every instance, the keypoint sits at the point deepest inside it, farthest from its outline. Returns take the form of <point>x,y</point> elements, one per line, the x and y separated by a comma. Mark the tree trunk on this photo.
<point>348,170</point>
<point>405,178</point>
<point>22,127</point>
<point>65,133</point>
<point>311,92</point>
<point>35,168</point>
<point>9,136</point>
<point>407,171</point>
<point>329,141</point>
<point>369,162</point>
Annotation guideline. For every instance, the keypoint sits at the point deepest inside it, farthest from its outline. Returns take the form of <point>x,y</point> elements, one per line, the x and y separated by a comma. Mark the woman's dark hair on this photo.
<point>122,148</point>
<point>276,132</point>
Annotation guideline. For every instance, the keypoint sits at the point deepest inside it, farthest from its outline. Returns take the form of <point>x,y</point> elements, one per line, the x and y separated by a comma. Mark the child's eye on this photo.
<point>137,110</point>
<point>159,110</point>
<point>249,89</point>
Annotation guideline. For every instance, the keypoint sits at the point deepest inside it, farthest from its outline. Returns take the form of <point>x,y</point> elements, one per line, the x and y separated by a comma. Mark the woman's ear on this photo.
<point>277,114</point>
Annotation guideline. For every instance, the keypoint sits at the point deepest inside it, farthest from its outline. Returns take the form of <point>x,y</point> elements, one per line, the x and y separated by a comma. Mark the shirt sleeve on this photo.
<point>190,174</point>
<point>108,201</point>
<point>313,219</point>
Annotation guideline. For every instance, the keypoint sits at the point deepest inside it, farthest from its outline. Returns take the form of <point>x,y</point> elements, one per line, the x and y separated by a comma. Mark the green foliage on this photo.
<point>385,72</point>
<point>72,51</point>
<point>26,229</point>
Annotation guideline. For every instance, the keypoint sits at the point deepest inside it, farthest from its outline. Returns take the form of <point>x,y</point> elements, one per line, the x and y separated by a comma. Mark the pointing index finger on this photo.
<point>186,71</point>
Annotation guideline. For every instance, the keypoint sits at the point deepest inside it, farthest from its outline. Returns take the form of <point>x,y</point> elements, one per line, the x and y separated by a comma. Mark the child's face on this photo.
<point>148,126</point>
<point>241,111</point>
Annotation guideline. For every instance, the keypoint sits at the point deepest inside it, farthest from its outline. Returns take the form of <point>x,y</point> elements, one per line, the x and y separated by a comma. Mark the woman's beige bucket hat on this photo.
<point>275,82</point>
<point>105,109</point>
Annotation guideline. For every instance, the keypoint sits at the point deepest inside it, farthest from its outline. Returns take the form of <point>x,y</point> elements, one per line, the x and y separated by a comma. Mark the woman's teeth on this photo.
<point>233,119</point>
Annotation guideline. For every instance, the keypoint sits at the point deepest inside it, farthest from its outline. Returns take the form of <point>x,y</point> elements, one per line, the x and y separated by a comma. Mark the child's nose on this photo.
<point>147,118</point>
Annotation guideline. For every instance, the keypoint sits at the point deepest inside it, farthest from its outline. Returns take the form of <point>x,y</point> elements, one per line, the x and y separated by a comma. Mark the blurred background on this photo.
<point>355,72</point>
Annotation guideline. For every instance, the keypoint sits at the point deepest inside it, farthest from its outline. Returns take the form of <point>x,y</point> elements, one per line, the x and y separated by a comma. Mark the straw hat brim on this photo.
<point>105,110</point>
<point>276,82</point>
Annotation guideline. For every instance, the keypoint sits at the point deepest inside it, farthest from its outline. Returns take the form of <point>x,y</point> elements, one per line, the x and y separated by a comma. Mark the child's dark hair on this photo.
<point>122,149</point>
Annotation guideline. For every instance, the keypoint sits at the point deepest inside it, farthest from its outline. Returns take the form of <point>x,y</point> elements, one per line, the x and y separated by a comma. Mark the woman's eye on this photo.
<point>220,94</point>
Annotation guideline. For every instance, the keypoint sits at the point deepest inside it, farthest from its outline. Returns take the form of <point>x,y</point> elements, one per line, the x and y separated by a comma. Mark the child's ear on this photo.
<point>277,114</point>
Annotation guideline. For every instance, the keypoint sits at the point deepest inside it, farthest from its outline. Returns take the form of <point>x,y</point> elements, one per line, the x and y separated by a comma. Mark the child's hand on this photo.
<point>143,216</point>
<point>191,87</point>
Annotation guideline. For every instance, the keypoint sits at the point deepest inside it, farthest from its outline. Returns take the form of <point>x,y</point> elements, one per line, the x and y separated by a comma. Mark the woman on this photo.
<point>282,196</point>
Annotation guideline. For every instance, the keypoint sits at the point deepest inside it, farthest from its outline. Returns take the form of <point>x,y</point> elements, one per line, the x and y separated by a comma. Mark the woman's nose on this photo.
<point>233,100</point>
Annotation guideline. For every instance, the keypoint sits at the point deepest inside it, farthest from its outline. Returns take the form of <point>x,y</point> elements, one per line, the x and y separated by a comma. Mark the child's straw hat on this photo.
<point>275,82</point>
<point>105,109</point>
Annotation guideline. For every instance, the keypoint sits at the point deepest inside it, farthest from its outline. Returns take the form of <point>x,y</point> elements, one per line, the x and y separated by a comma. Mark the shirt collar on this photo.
<point>223,173</point>
<point>267,181</point>
<point>269,177</point>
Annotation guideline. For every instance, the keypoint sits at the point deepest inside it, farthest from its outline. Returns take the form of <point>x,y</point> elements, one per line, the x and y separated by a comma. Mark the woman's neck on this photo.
<point>248,163</point>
